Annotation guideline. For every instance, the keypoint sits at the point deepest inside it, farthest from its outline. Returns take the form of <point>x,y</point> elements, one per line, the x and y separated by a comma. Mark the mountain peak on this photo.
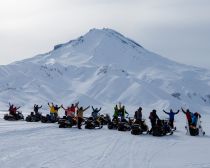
<point>102,47</point>
<point>114,33</point>
<point>95,33</point>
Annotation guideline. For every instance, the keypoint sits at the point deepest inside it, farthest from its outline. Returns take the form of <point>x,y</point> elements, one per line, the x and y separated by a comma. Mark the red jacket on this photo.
<point>71,111</point>
<point>12,110</point>
<point>188,115</point>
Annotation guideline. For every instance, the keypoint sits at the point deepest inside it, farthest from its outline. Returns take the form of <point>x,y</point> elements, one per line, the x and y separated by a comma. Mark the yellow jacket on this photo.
<point>52,109</point>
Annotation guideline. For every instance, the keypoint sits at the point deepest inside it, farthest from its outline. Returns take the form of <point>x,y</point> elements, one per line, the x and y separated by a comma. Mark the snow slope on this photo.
<point>102,68</point>
<point>38,145</point>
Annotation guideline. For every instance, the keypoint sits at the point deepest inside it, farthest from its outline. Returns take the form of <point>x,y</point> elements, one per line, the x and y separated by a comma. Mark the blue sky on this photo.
<point>176,29</point>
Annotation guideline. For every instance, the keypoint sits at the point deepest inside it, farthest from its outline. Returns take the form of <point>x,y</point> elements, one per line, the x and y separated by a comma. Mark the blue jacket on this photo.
<point>95,112</point>
<point>171,114</point>
<point>194,120</point>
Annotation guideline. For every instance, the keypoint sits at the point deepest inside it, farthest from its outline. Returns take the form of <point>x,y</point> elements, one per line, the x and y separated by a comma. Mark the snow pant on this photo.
<point>79,123</point>
<point>122,117</point>
<point>171,123</point>
<point>53,116</point>
<point>189,122</point>
<point>153,124</point>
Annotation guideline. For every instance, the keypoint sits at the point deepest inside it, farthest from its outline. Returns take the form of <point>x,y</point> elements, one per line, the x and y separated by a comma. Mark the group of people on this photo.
<point>192,118</point>
<point>119,111</point>
<point>13,109</point>
<point>74,112</point>
<point>71,112</point>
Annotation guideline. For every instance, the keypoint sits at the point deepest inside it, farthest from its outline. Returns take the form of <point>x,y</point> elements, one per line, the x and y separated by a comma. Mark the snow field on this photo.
<point>41,145</point>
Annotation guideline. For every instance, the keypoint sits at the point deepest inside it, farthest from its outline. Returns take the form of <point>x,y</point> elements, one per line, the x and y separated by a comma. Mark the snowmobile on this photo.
<point>124,125</point>
<point>112,124</point>
<point>90,123</point>
<point>104,119</point>
<point>162,128</point>
<point>138,128</point>
<point>34,117</point>
<point>49,119</point>
<point>17,116</point>
<point>66,122</point>
<point>195,130</point>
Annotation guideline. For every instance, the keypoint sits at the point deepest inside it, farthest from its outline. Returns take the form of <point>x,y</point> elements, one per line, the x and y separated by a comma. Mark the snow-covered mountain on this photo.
<point>102,68</point>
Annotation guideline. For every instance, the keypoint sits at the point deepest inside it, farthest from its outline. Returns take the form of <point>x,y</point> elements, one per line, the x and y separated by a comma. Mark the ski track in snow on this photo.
<point>40,145</point>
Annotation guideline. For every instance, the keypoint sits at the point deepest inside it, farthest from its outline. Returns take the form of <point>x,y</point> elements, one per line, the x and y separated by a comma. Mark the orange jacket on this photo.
<point>80,112</point>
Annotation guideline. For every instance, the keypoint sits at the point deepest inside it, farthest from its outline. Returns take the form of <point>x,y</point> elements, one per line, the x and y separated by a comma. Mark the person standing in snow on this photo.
<point>138,115</point>
<point>70,111</point>
<point>122,113</point>
<point>53,111</point>
<point>171,117</point>
<point>188,115</point>
<point>153,119</point>
<point>80,112</point>
<point>195,117</point>
<point>56,107</point>
<point>116,112</point>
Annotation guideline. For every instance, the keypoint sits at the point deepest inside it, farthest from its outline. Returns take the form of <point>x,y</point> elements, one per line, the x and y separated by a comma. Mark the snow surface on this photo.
<point>38,145</point>
<point>102,68</point>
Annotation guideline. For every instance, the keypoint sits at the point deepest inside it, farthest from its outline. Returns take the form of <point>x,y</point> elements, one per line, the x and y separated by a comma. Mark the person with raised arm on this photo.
<point>80,112</point>
<point>171,117</point>
<point>95,112</point>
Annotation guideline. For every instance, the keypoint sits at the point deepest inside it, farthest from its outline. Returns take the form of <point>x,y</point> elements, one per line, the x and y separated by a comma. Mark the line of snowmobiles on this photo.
<point>64,122</point>
<point>162,127</point>
<point>88,122</point>
<point>33,117</point>
<point>119,124</point>
<point>140,127</point>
